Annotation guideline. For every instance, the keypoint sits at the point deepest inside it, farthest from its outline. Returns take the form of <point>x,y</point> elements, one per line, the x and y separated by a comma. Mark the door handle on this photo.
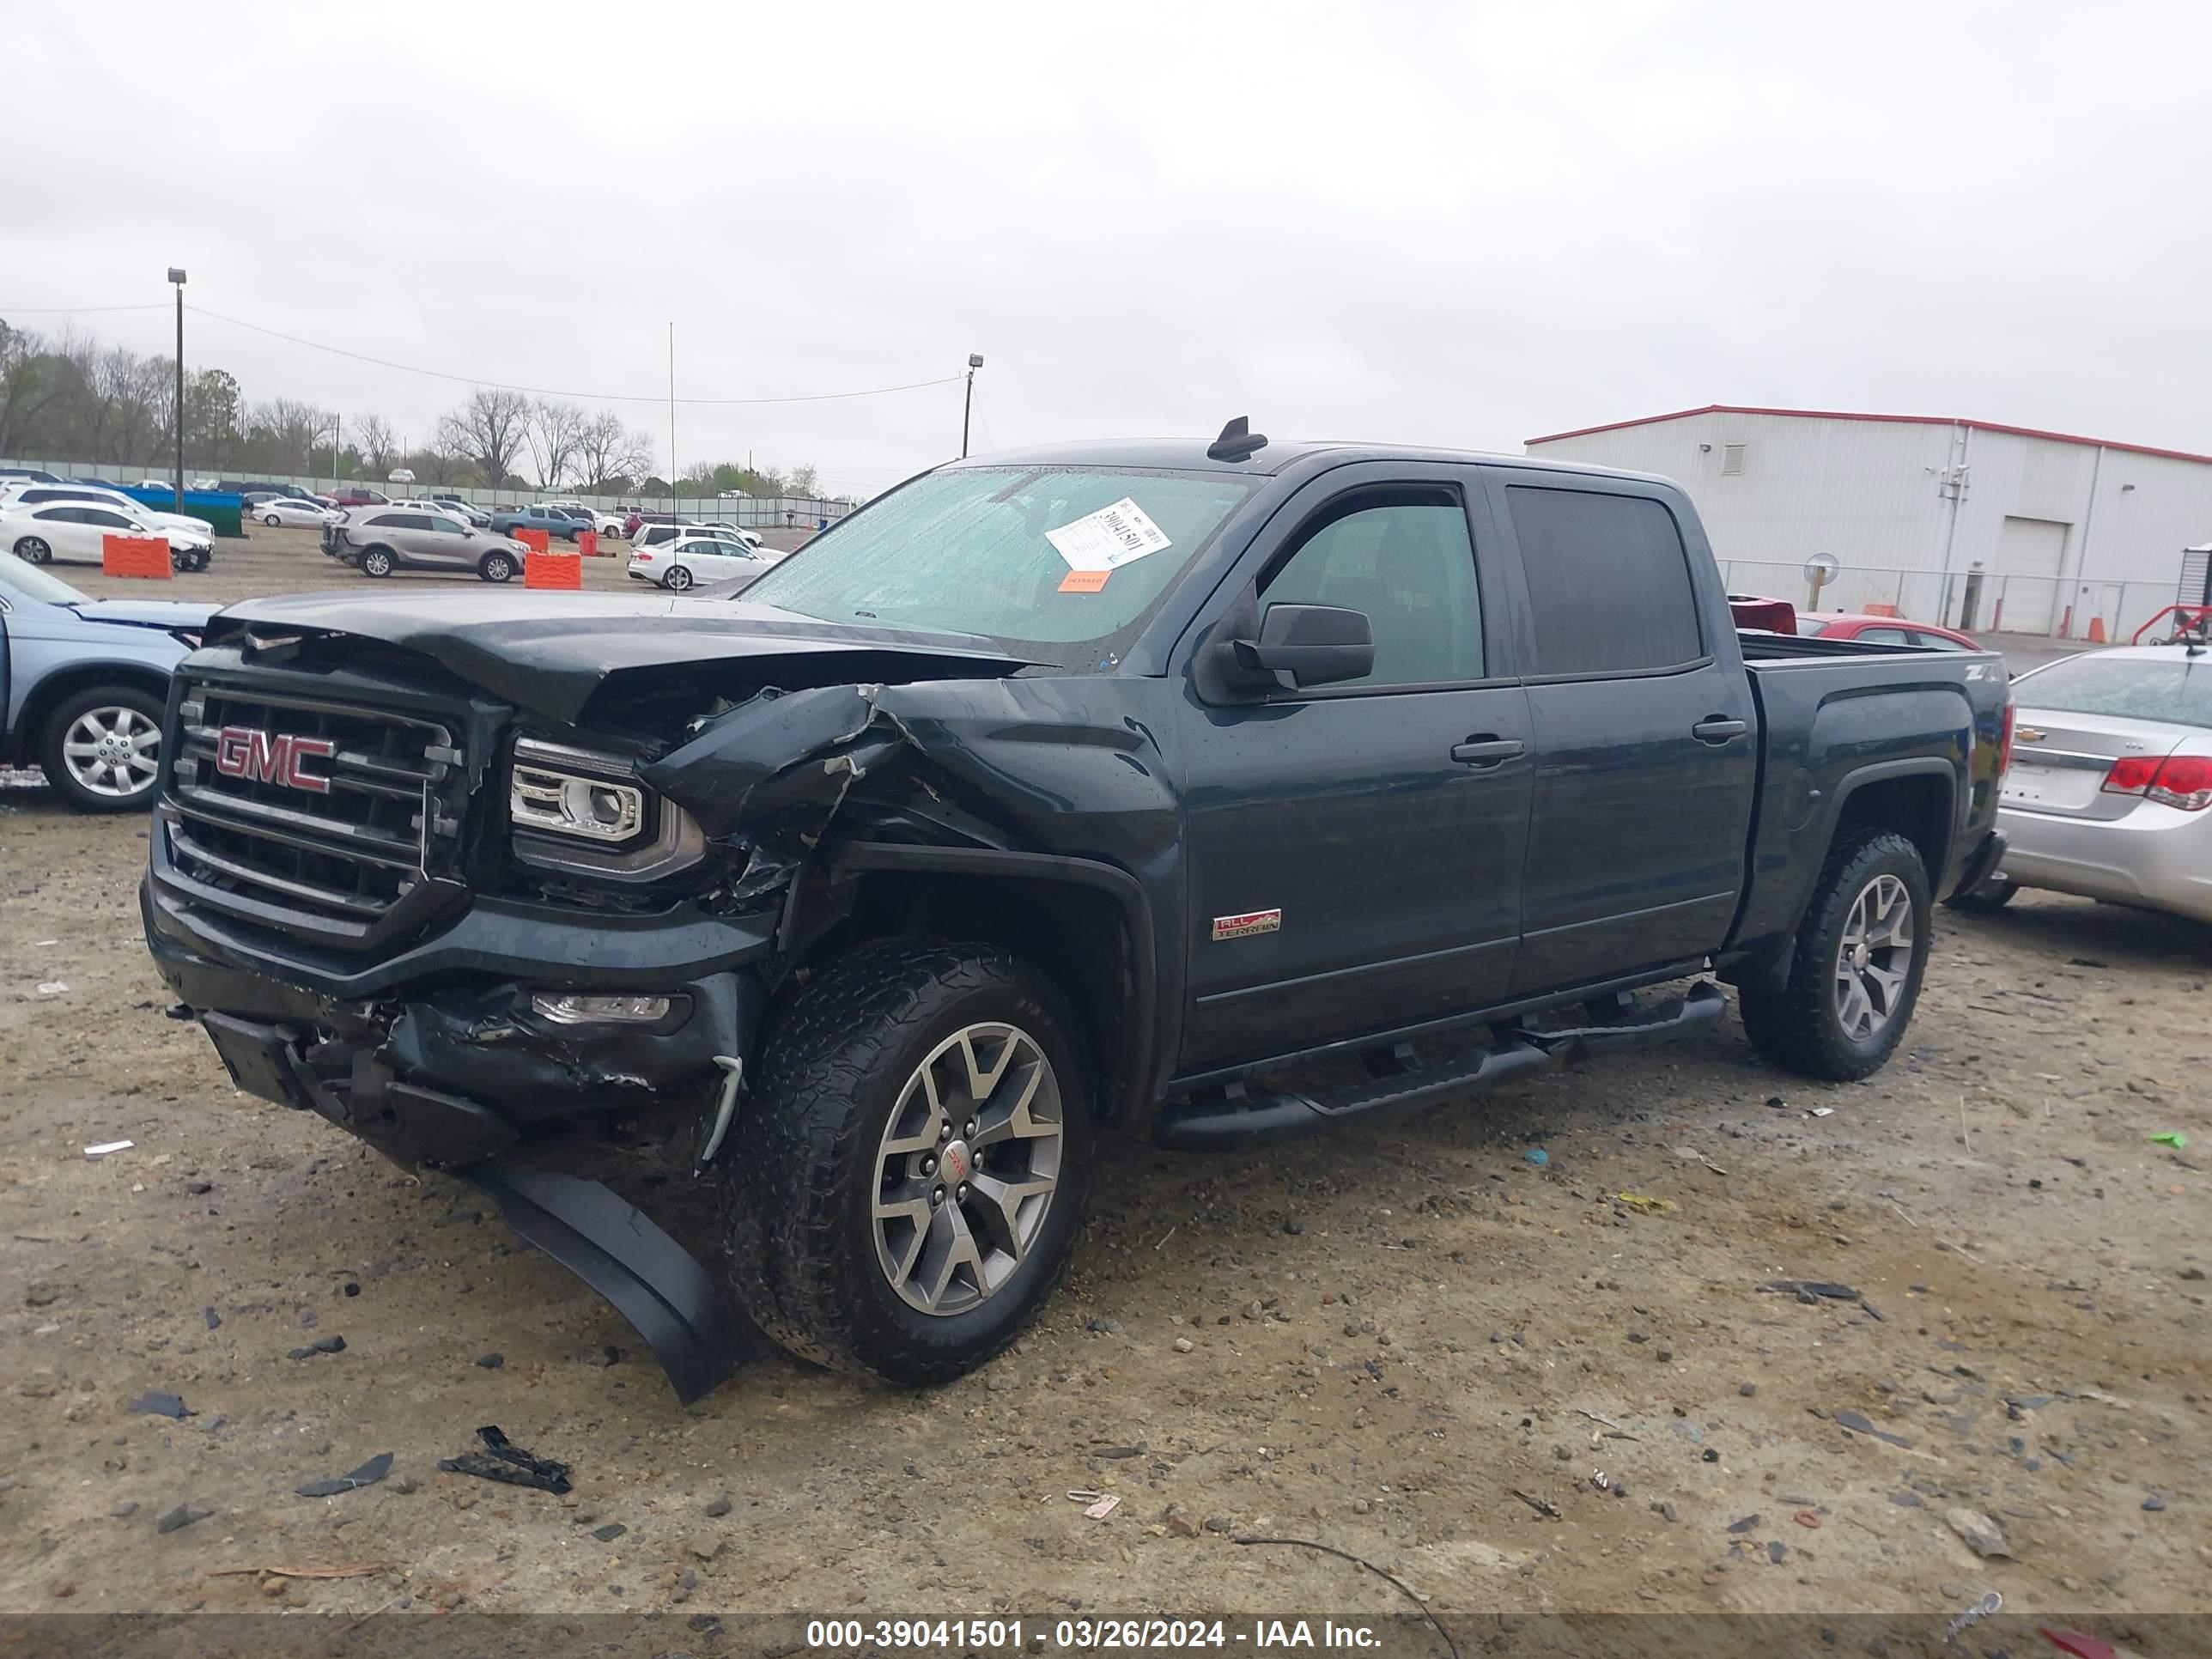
<point>1718,729</point>
<point>1485,750</point>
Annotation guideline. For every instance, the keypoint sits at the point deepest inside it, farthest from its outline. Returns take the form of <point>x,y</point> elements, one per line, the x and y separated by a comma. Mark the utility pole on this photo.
<point>967,399</point>
<point>177,275</point>
<point>675,500</point>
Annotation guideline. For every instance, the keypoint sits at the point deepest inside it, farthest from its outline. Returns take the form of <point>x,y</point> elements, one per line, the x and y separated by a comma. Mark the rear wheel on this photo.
<point>677,580</point>
<point>102,749</point>
<point>497,567</point>
<point>1855,969</point>
<point>377,562</point>
<point>271,520</point>
<point>907,1181</point>
<point>33,549</point>
<point>1987,899</point>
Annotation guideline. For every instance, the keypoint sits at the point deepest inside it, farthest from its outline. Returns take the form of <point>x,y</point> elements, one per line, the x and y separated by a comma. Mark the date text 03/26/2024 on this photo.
<point>1094,1634</point>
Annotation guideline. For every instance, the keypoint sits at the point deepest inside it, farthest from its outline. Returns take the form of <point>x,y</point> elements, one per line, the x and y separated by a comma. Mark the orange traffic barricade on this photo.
<point>536,540</point>
<point>544,570</point>
<point>587,543</point>
<point>134,556</point>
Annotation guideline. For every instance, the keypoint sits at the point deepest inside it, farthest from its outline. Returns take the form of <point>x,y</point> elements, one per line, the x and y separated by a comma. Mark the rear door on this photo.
<point>1355,850</point>
<point>1647,741</point>
<point>67,531</point>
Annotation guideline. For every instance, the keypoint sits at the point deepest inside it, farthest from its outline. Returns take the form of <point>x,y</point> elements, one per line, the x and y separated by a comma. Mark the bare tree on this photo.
<point>803,481</point>
<point>31,381</point>
<point>554,432</point>
<point>378,443</point>
<point>489,429</point>
<point>609,453</point>
<point>288,427</point>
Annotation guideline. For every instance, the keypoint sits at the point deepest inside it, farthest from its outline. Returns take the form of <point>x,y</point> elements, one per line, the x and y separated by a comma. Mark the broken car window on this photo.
<point>968,551</point>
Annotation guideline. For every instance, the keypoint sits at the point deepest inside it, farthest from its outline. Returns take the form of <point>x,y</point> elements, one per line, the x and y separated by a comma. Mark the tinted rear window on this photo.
<point>1608,582</point>
<point>2178,689</point>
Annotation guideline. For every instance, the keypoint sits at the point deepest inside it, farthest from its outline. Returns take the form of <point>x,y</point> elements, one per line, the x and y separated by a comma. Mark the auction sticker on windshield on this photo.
<point>1108,539</point>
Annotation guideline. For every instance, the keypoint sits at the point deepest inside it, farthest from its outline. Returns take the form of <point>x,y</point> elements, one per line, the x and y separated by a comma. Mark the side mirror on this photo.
<point>1307,645</point>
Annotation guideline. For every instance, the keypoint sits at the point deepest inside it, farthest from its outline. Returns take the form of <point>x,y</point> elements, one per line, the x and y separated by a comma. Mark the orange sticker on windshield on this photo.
<point>1083,581</point>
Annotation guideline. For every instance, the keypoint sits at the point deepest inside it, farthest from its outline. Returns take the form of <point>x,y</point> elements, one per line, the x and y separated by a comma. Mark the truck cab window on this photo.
<point>1407,562</point>
<point>1608,582</point>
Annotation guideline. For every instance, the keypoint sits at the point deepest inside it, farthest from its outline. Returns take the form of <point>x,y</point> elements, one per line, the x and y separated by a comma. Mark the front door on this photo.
<point>1647,742</point>
<point>1355,850</point>
<point>435,539</point>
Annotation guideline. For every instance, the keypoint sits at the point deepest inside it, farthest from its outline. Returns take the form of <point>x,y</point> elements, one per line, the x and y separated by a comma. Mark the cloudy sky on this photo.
<point>1448,223</point>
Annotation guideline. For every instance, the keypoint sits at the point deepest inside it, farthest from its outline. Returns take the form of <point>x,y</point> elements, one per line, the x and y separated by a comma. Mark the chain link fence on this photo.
<point>1974,601</point>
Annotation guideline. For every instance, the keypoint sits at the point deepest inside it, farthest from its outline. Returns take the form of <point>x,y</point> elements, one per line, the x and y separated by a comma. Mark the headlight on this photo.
<point>584,812</point>
<point>572,791</point>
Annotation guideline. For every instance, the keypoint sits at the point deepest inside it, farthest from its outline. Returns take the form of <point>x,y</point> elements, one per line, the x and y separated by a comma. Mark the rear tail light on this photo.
<point>2182,780</point>
<point>642,558</point>
<point>2004,739</point>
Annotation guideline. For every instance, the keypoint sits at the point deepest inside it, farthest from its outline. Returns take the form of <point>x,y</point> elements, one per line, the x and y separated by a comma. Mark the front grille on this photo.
<point>332,863</point>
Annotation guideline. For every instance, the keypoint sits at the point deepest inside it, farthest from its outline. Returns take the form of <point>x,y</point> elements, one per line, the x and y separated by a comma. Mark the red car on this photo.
<point>1884,630</point>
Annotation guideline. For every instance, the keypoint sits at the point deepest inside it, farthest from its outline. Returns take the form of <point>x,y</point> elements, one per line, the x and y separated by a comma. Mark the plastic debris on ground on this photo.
<point>367,1476</point>
<point>1103,1507</point>
<point>1639,1201</point>
<point>501,1460</point>
<point>154,1403</point>
<point>107,1146</point>
<point>2172,1138</point>
<point>1537,1156</point>
<point>52,988</point>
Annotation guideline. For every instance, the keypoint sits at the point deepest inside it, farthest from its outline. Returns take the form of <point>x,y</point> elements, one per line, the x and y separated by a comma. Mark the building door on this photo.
<point>2018,590</point>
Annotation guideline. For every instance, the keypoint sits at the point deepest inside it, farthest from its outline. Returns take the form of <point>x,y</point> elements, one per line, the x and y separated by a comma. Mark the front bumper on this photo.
<point>434,1055</point>
<point>2156,858</point>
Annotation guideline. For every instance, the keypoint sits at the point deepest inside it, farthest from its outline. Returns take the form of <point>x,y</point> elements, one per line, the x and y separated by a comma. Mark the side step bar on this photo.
<point>1237,1114</point>
<point>616,1248</point>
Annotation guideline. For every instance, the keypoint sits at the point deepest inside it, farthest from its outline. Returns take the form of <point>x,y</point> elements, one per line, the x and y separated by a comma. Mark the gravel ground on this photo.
<point>1410,1342</point>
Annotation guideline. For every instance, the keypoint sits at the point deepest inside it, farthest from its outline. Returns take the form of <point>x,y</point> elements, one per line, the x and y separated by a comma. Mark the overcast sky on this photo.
<point>1460,224</point>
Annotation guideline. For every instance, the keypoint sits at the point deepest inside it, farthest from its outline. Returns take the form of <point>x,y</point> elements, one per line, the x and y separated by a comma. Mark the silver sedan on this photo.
<point>2109,795</point>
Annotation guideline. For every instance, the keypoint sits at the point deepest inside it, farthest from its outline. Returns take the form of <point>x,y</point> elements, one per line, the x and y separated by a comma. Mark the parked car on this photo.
<point>357,495</point>
<point>1883,630</point>
<point>695,561</point>
<point>612,525</point>
<point>421,504</point>
<point>552,519</point>
<point>283,511</point>
<point>29,474</point>
<point>388,539</point>
<point>659,535</point>
<point>77,530</point>
<point>1108,784</point>
<point>2110,793</point>
<point>83,683</point>
<point>480,517</point>
<point>197,531</point>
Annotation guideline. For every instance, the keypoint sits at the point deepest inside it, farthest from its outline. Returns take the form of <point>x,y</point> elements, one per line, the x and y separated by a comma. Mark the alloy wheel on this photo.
<point>112,751</point>
<point>967,1168</point>
<point>1875,960</point>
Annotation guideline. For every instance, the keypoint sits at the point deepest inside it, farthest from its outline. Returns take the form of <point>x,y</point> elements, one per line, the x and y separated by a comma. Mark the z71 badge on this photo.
<point>1251,922</point>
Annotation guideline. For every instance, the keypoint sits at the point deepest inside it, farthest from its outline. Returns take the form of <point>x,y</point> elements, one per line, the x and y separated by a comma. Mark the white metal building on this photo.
<point>1981,526</point>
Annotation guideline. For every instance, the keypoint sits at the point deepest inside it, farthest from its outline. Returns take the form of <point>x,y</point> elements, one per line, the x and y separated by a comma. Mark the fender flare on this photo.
<point>1127,893</point>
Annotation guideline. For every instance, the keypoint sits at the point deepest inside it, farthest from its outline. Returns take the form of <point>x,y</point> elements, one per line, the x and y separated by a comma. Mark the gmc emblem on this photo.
<point>272,757</point>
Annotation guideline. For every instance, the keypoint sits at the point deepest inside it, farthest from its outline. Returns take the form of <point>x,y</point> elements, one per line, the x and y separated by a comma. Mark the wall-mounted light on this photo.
<point>1704,449</point>
<point>2125,488</point>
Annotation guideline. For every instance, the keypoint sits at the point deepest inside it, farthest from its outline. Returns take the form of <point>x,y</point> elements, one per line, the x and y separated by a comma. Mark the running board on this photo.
<point>1237,1114</point>
<point>617,1248</point>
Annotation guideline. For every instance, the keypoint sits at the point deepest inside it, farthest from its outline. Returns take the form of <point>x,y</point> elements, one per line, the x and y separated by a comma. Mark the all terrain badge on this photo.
<point>1251,922</point>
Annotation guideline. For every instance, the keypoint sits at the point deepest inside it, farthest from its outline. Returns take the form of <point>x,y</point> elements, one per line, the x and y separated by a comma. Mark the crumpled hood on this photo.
<point>147,613</point>
<point>550,651</point>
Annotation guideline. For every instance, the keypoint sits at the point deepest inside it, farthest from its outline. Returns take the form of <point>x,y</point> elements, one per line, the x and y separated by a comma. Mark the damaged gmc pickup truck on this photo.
<point>1222,791</point>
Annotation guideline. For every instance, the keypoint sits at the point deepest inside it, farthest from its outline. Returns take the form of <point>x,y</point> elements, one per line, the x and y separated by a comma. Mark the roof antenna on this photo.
<point>1237,441</point>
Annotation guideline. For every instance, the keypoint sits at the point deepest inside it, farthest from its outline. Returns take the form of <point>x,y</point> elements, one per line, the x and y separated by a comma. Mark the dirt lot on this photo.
<point>1378,1341</point>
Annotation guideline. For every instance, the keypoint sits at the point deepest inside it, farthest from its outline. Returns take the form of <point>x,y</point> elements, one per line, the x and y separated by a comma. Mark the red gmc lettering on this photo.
<point>267,758</point>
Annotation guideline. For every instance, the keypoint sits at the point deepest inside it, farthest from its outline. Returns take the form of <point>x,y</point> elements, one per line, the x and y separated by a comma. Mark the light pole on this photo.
<point>177,275</point>
<point>967,400</point>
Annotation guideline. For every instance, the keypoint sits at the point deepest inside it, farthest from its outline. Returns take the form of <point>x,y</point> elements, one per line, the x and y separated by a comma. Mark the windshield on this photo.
<point>1060,564</point>
<point>30,583</point>
<point>2176,689</point>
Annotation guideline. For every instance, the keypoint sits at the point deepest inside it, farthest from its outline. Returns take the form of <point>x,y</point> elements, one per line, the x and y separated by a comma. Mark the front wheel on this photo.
<point>905,1185</point>
<point>1855,973</point>
<point>497,567</point>
<point>677,580</point>
<point>102,749</point>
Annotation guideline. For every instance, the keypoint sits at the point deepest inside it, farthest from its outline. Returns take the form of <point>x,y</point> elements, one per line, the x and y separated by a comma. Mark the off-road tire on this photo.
<point>377,562</point>
<point>1986,900</point>
<point>1799,1028</point>
<point>800,1165</point>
